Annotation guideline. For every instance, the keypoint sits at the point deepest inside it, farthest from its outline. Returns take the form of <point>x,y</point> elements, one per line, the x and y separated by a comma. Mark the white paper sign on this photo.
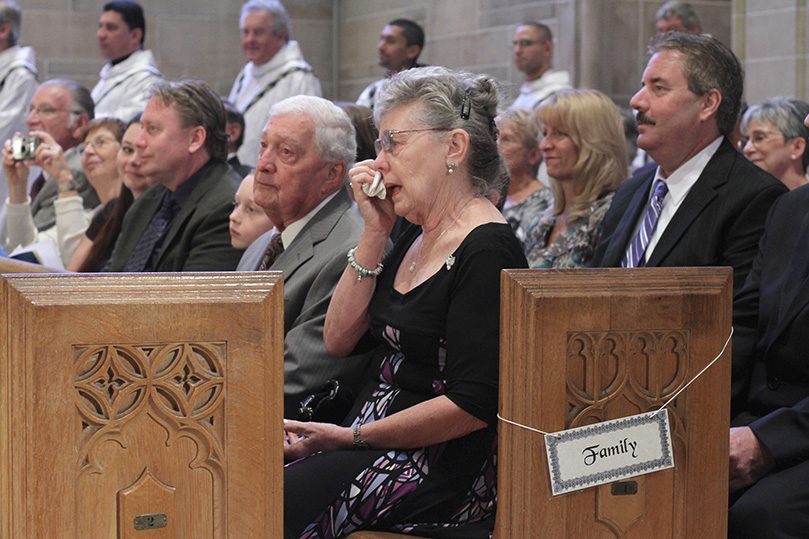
<point>608,451</point>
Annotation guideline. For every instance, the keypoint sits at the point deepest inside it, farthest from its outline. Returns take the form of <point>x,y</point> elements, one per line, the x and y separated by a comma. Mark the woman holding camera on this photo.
<point>98,149</point>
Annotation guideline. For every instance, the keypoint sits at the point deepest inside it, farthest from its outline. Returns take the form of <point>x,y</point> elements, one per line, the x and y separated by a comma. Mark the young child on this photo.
<point>247,221</point>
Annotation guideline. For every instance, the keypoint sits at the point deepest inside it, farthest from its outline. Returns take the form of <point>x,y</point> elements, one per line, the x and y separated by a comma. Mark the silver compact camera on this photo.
<point>23,147</point>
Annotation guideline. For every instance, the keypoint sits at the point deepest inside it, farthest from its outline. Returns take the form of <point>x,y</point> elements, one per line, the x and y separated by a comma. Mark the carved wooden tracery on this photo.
<point>181,386</point>
<point>586,346</point>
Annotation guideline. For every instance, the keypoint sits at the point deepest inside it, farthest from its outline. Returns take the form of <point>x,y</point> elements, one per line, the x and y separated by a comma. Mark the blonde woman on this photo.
<point>584,149</point>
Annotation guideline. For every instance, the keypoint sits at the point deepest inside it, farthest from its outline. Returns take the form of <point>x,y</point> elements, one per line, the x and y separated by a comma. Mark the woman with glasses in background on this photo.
<point>417,454</point>
<point>99,149</point>
<point>99,239</point>
<point>518,141</point>
<point>776,138</point>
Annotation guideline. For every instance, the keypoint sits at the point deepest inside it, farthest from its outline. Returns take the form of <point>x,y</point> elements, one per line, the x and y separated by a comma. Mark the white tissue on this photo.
<point>376,189</point>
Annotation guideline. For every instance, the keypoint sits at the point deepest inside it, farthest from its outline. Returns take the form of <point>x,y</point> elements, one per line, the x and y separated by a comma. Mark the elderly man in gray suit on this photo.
<point>306,149</point>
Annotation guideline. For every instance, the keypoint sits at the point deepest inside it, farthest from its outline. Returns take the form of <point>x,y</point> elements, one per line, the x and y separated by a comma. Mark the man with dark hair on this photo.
<point>18,82</point>
<point>235,130</point>
<point>124,82</point>
<point>676,16</point>
<point>705,204</point>
<point>400,45</point>
<point>533,49</point>
<point>181,224</point>
<point>275,70</point>
<point>62,108</point>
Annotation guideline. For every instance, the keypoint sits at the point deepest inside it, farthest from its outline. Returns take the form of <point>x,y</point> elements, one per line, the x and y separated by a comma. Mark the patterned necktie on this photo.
<point>634,254</point>
<point>154,231</point>
<point>274,249</point>
<point>36,187</point>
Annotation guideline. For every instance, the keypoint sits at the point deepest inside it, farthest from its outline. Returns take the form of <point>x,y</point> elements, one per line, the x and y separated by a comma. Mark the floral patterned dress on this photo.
<point>440,338</point>
<point>521,214</point>
<point>574,248</point>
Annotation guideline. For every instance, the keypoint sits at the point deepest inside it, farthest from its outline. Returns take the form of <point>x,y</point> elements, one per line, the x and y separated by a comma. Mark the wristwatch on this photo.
<point>69,186</point>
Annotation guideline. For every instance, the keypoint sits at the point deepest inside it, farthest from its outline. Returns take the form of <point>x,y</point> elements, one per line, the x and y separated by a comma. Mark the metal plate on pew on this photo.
<point>151,522</point>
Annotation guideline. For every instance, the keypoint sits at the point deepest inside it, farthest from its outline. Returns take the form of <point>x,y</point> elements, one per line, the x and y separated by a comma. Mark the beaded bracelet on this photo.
<point>359,269</point>
<point>359,443</point>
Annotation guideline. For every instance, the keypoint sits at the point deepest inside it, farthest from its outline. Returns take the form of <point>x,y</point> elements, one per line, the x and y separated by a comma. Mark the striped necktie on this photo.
<point>634,254</point>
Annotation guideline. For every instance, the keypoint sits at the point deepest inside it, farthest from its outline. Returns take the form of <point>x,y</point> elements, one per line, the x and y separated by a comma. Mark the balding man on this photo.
<point>307,147</point>
<point>61,108</point>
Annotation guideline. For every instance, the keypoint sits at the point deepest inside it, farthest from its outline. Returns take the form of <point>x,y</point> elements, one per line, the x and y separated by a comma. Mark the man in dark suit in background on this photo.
<point>769,441</point>
<point>306,150</point>
<point>705,204</point>
<point>181,224</point>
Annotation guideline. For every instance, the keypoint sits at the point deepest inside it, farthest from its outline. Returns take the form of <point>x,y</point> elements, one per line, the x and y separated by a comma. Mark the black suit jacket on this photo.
<point>718,224</point>
<point>199,237</point>
<point>771,339</point>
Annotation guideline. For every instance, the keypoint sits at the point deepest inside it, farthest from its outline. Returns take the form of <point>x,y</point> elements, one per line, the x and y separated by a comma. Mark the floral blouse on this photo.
<point>520,215</point>
<point>574,248</point>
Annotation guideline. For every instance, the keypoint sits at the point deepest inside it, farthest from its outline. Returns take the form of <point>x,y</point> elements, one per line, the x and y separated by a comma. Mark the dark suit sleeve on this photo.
<point>745,327</point>
<point>210,248</point>
<point>746,231</point>
<point>765,347</point>
<point>785,432</point>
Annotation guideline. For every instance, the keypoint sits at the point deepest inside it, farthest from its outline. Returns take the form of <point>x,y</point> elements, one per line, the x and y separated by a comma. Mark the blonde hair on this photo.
<point>593,123</point>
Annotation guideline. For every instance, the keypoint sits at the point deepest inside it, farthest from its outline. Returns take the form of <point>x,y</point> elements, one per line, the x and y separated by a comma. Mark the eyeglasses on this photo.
<point>45,110</point>
<point>759,137</point>
<point>385,140</point>
<point>96,143</point>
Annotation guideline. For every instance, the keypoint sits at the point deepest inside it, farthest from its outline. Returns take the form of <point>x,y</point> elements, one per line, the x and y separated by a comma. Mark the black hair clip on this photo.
<point>466,106</point>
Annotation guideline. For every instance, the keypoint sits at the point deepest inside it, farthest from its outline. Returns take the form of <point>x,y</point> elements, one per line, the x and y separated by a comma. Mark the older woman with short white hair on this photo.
<point>518,141</point>
<point>418,452</point>
<point>776,138</point>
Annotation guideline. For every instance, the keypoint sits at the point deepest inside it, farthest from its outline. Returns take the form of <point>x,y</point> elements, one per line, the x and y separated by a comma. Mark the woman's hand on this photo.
<point>378,214</point>
<point>51,158</point>
<point>304,439</point>
<point>17,175</point>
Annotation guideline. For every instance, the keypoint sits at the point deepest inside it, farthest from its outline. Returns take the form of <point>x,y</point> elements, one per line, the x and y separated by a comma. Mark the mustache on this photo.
<point>641,118</point>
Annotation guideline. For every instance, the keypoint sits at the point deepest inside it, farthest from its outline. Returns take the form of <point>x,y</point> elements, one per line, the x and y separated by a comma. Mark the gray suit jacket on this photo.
<point>42,206</point>
<point>312,265</point>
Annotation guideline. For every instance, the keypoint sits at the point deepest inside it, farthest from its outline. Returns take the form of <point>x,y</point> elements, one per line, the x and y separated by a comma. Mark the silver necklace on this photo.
<point>420,255</point>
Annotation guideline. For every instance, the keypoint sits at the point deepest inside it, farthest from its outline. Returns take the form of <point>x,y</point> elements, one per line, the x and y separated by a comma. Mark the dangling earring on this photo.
<point>451,167</point>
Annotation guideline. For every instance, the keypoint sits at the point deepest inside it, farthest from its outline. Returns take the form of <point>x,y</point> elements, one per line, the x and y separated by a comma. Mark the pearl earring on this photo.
<point>451,167</point>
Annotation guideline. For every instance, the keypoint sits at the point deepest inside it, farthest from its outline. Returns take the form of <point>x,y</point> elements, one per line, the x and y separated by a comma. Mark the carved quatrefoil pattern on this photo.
<point>180,385</point>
